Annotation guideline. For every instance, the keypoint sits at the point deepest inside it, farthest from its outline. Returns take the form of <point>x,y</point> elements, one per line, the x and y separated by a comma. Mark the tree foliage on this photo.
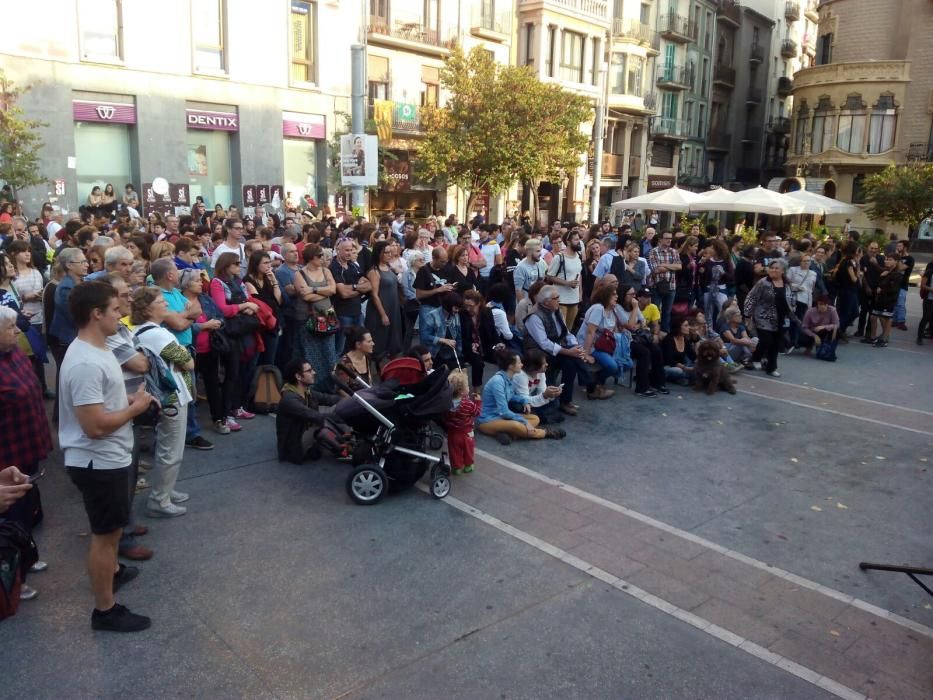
<point>902,194</point>
<point>501,125</point>
<point>20,141</point>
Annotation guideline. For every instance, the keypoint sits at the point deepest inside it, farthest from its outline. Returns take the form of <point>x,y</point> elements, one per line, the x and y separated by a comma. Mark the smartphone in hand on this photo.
<point>35,477</point>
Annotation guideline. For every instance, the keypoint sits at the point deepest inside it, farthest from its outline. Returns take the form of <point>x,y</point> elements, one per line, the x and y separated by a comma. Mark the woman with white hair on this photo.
<point>769,304</point>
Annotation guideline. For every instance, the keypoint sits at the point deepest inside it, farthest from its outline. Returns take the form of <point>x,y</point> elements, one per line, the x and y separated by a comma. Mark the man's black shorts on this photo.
<point>106,497</point>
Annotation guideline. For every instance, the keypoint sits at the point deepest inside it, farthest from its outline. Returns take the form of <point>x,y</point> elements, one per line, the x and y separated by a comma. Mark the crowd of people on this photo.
<point>145,318</point>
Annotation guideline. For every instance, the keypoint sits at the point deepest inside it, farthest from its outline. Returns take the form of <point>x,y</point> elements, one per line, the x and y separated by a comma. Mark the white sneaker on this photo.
<point>179,497</point>
<point>221,427</point>
<point>774,373</point>
<point>27,592</point>
<point>38,566</point>
<point>756,365</point>
<point>169,510</point>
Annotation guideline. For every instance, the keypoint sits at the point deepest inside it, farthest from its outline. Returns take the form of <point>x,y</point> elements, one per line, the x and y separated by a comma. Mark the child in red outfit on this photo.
<point>459,422</point>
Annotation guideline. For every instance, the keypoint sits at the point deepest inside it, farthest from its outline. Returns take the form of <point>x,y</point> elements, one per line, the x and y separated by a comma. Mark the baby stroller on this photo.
<point>393,424</point>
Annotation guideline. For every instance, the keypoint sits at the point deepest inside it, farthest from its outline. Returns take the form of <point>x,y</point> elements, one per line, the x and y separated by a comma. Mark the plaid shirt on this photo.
<point>23,421</point>
<point>662,256</point>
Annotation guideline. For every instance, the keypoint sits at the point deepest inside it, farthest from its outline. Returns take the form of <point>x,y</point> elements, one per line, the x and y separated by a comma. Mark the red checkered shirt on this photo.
<point>25,438</point>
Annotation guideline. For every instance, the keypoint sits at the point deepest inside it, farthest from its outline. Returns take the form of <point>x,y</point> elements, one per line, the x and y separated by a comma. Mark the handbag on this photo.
<point>605,339</point>
<point>322,322</point>
<point>643,336</point>
<point>826,351</point>
<point>220,342</point>
<point>241,325</point>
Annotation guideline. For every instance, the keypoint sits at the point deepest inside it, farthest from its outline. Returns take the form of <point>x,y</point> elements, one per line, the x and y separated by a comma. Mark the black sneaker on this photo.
<point>881,343</point>
<point>124,576</point>
<point>119,619</point>
<point>199,443</point>
<point>662,390</point>
<point>646,394</point>
<point>504,438</point>
<point>867,339</point>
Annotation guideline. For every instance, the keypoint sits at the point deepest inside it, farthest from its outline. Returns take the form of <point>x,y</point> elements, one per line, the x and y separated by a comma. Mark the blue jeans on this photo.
<point>345,322</point>
<point>676,374</point>
<point>610,368</point>
<point>900,309</point>
<point>664,303</point>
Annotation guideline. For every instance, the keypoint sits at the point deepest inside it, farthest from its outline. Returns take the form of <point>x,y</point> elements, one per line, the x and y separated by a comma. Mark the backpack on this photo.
<point>160,383</point>
<point>266,390</point>
<point>17,554</point>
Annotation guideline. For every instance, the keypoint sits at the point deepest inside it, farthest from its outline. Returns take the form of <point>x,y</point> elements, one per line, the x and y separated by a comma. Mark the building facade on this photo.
<point>867,102</point>
<point>180,90</point>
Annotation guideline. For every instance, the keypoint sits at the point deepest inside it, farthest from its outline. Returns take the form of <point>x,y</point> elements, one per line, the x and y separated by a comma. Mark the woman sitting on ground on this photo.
<point>679,355</point>
<point>820,325</point>
<point>532,389</point>
<point>497,418</point>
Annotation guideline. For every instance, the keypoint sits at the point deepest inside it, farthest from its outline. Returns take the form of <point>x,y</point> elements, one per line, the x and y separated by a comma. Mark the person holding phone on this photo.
<point>24,425</point>
<point>96,436</point>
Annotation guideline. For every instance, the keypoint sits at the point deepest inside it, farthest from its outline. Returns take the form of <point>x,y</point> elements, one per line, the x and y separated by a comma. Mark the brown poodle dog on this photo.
<point>709,373</point>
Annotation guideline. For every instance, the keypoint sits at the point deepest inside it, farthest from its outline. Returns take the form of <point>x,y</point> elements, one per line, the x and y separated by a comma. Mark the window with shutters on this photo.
<point>302,42</point>
<point>430,86</point>
<point>377,73</point>
<point>883,125</point>
<point>101,30</point>
<point>800,130</point>
<point>822,134</point>
<point>208,27</point>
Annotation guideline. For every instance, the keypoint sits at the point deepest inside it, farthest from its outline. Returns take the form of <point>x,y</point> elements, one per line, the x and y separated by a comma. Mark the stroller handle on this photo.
<point>342,385</point>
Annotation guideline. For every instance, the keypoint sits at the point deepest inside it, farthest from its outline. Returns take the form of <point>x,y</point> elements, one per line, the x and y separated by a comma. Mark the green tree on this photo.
<point>501,125</point>
<point>20,141</point>
<point>901,194</point>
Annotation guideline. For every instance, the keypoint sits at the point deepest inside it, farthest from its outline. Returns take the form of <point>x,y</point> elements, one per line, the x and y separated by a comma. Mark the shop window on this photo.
<point>883,125</point>
<point>101,29</point>
<point>822,134</point>
<point>208,27</point>
<point>858,189</point>
<point>209,169</point>
<point>377,72</point>
<point>851,134</point>
<point>571,57</point>
<point>301,172</point>
<point>302,31</point>
<point>102,155</point>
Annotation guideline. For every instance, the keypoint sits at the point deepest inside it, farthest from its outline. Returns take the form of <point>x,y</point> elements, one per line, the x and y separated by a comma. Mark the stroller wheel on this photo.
<point>367,484</point>
<point>440,484</point>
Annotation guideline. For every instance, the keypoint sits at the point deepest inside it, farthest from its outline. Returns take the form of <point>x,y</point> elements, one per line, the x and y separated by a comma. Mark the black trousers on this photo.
<point>927,319</point>
<point>222,392</point>
<point>769,343</point>
<point>649,365</point>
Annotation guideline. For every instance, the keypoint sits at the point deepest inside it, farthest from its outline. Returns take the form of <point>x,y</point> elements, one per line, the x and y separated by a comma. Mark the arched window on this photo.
<point>822,134</point>
<point>858,189</point>
<point>883,125</point>
<point>800,129</point>
<point>851,134</point>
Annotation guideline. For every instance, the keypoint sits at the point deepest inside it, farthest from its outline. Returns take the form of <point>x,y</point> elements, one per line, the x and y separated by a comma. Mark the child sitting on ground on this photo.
<point>459,422</point>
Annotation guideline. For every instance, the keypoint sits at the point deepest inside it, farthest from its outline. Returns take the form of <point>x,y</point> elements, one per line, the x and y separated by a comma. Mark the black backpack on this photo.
<point>18,553</point>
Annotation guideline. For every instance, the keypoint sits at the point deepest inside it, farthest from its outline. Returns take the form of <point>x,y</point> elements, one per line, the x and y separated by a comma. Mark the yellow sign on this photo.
<point>382,115</point>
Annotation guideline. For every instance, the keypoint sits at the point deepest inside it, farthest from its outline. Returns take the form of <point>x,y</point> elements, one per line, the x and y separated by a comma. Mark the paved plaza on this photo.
<point>680,547</point>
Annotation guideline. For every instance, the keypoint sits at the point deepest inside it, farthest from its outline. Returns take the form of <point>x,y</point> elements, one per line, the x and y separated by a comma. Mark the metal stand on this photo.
<point>911,571</point>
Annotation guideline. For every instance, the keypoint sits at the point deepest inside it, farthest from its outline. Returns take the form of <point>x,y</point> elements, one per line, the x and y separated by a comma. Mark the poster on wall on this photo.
<point>197,159</point>
<point>249,195</point>
<point>925,231</point>
<point>262,194</point>
<point>358,160</point>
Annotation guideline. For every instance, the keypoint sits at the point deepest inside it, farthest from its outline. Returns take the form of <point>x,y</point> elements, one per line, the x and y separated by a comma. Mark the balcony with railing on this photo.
<point>788,48</point>
<point>753,96</point>
<point>488,20</point>
<point>406,118</point>
<point>592,9</point>
<point>779,125</point>
<point>811,10</point>
<point>785,86</point>
<point>633,30</point>
<point>408,31</point>
<point>718,140</point>
<point>670,128</point>
<point>678,28</point>
<point>669,77</point>
<point>756,53</point>
<point>792,10</point>
<point>729,12</point>
<point>752,136</point>
<point>920,152</point>
<point>724,76</point>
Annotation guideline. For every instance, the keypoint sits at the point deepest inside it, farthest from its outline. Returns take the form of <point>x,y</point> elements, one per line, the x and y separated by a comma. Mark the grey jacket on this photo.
<point>761,308</point>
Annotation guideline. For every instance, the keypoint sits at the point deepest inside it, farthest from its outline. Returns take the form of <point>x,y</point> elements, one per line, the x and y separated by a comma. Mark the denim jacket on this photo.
<point>496,396</point>
<point>435,325</point>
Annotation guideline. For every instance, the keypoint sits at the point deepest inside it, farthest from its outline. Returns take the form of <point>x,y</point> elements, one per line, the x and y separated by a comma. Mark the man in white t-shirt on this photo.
<point>233,243</point>
<point>96,435</point>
